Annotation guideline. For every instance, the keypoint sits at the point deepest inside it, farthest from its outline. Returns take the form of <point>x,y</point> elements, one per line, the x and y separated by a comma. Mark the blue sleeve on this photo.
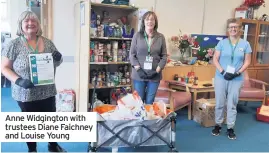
<point>248,49</point>
<point>219,46</point>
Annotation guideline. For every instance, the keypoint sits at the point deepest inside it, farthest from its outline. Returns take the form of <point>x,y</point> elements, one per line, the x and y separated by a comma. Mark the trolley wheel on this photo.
<point>91,149</point>
<point>173,150</point>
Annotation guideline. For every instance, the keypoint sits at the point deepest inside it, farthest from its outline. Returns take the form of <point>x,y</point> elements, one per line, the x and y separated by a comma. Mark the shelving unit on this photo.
<point>257,33</point>
<point>93,48</point>
<point>109,38</point>
<point>107,63</point>
<point>113,6</point>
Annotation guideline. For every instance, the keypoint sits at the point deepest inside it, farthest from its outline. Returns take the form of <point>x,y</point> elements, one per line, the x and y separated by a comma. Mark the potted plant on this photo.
<point>184,43</point>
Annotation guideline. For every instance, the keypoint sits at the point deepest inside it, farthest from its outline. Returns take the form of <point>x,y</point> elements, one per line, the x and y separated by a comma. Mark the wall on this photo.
<point>64,39</point>
<point>16,7</point>
<point>192,16</point>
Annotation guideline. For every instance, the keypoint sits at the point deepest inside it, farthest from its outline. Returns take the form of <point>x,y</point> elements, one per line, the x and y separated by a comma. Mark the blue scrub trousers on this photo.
<point>146,90</point>
<point>227,96</point>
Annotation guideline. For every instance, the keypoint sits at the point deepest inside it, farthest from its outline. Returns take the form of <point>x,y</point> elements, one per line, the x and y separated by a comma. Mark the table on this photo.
<point>194,90</point>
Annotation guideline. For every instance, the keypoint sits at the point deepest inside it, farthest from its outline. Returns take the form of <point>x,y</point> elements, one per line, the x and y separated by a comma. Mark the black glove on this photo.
<point>25,83</point>
<point>222,72</point>
<point>56,56</point>
<point>236,74</point>
<point>151,74</point>
<point>142,73</point>
<point>228,76</point>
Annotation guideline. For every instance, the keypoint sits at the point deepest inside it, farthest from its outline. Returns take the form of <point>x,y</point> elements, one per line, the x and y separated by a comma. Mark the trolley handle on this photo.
<point>93,93</point>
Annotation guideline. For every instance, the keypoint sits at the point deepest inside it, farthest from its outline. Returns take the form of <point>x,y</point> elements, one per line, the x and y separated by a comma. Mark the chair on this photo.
<point>253,90</point>
<point>175,100</point>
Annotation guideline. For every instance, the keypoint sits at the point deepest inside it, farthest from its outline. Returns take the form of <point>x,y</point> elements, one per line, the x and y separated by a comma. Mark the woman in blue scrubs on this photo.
<point>232,57</point>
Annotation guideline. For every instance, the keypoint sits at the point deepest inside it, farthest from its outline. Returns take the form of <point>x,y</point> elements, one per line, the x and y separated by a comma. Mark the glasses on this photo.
<point>152,20</point>
<point>234,27</point>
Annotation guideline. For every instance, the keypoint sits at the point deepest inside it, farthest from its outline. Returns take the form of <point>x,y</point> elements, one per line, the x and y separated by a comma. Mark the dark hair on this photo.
<point>147,14</point>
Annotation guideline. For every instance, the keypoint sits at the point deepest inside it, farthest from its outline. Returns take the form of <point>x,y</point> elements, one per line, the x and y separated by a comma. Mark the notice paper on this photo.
<point>42,69</point>
<point>48,127</point>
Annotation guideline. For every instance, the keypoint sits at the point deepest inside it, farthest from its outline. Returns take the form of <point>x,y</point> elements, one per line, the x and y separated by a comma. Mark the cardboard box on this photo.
<point>260,116</point>
<point>204,112</point>
<point>264,110</point>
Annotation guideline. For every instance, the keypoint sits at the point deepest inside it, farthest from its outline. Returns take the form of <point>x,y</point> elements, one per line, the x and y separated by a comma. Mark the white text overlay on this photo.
<point>48,127</point>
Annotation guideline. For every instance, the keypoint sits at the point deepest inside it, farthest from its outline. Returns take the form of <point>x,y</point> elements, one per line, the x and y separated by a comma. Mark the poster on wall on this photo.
<point>206,42</point>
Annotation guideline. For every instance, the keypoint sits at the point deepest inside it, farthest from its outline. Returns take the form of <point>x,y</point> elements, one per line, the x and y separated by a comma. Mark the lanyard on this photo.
<point>148,43</point>
<point>233,49</point>
<point>30,47</point>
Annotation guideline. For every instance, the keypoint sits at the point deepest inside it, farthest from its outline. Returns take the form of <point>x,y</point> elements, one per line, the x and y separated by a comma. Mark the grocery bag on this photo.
<point>65,101</point>
<point>132,106</point>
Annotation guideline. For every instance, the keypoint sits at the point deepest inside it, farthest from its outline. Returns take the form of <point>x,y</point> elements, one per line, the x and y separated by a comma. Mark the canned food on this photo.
<point>123,81</point>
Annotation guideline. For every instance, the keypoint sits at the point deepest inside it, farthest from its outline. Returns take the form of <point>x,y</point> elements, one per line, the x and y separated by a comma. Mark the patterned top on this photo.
<point>18,53</point>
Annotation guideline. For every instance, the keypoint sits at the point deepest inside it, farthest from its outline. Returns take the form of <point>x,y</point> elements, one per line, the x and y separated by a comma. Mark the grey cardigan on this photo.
<point>139,51</point>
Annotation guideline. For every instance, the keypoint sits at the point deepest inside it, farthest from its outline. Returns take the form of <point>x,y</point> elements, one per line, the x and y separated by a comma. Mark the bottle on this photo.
<point>175,77</point>
<point>196,81</point>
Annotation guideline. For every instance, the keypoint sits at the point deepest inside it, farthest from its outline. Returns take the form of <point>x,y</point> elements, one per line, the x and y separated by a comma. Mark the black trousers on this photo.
<point>45,105</point>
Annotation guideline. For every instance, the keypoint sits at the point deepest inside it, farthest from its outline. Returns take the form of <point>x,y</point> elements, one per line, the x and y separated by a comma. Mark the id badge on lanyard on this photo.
<point>148,63</point>
<point>149,58</point>
<point>230,68</point>
<point>35,51</point>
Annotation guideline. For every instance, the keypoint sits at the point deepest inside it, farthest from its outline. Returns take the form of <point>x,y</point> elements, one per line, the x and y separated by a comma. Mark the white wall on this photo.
<point>16,7</point>
<point>191,16</point>
<point>64,39</point>
<point>194,16</point>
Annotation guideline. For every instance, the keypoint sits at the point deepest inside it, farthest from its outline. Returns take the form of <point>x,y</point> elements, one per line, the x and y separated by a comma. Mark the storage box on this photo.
<point>204,112</point>
<point>263,113</point>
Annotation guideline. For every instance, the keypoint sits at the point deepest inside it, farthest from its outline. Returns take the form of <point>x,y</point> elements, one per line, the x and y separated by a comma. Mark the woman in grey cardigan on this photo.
<point>148,57</point>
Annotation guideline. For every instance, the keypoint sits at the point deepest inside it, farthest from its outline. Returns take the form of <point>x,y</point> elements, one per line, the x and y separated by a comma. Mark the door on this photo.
<point>47,18</point>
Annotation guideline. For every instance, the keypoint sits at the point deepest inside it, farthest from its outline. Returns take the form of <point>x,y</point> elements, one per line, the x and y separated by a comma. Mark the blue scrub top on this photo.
<point>225,48</point>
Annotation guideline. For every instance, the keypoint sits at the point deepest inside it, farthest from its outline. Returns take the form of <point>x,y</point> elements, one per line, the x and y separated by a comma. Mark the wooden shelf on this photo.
<point>262,51</point>
<point>107,63</point>
<point>263,36</point>
<point>83,63</point>
<point>114,6</point>
<point>105,87</point>
<point>249,35</point>
<point>109,38</point>
<point>247,21</point>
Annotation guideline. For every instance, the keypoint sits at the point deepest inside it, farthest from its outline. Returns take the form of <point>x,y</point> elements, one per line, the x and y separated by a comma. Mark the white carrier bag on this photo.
<point>65,101</point>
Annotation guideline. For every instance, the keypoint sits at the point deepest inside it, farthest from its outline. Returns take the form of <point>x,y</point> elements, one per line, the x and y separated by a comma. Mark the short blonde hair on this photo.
<point>234,20</point>
<point>25,15</point>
